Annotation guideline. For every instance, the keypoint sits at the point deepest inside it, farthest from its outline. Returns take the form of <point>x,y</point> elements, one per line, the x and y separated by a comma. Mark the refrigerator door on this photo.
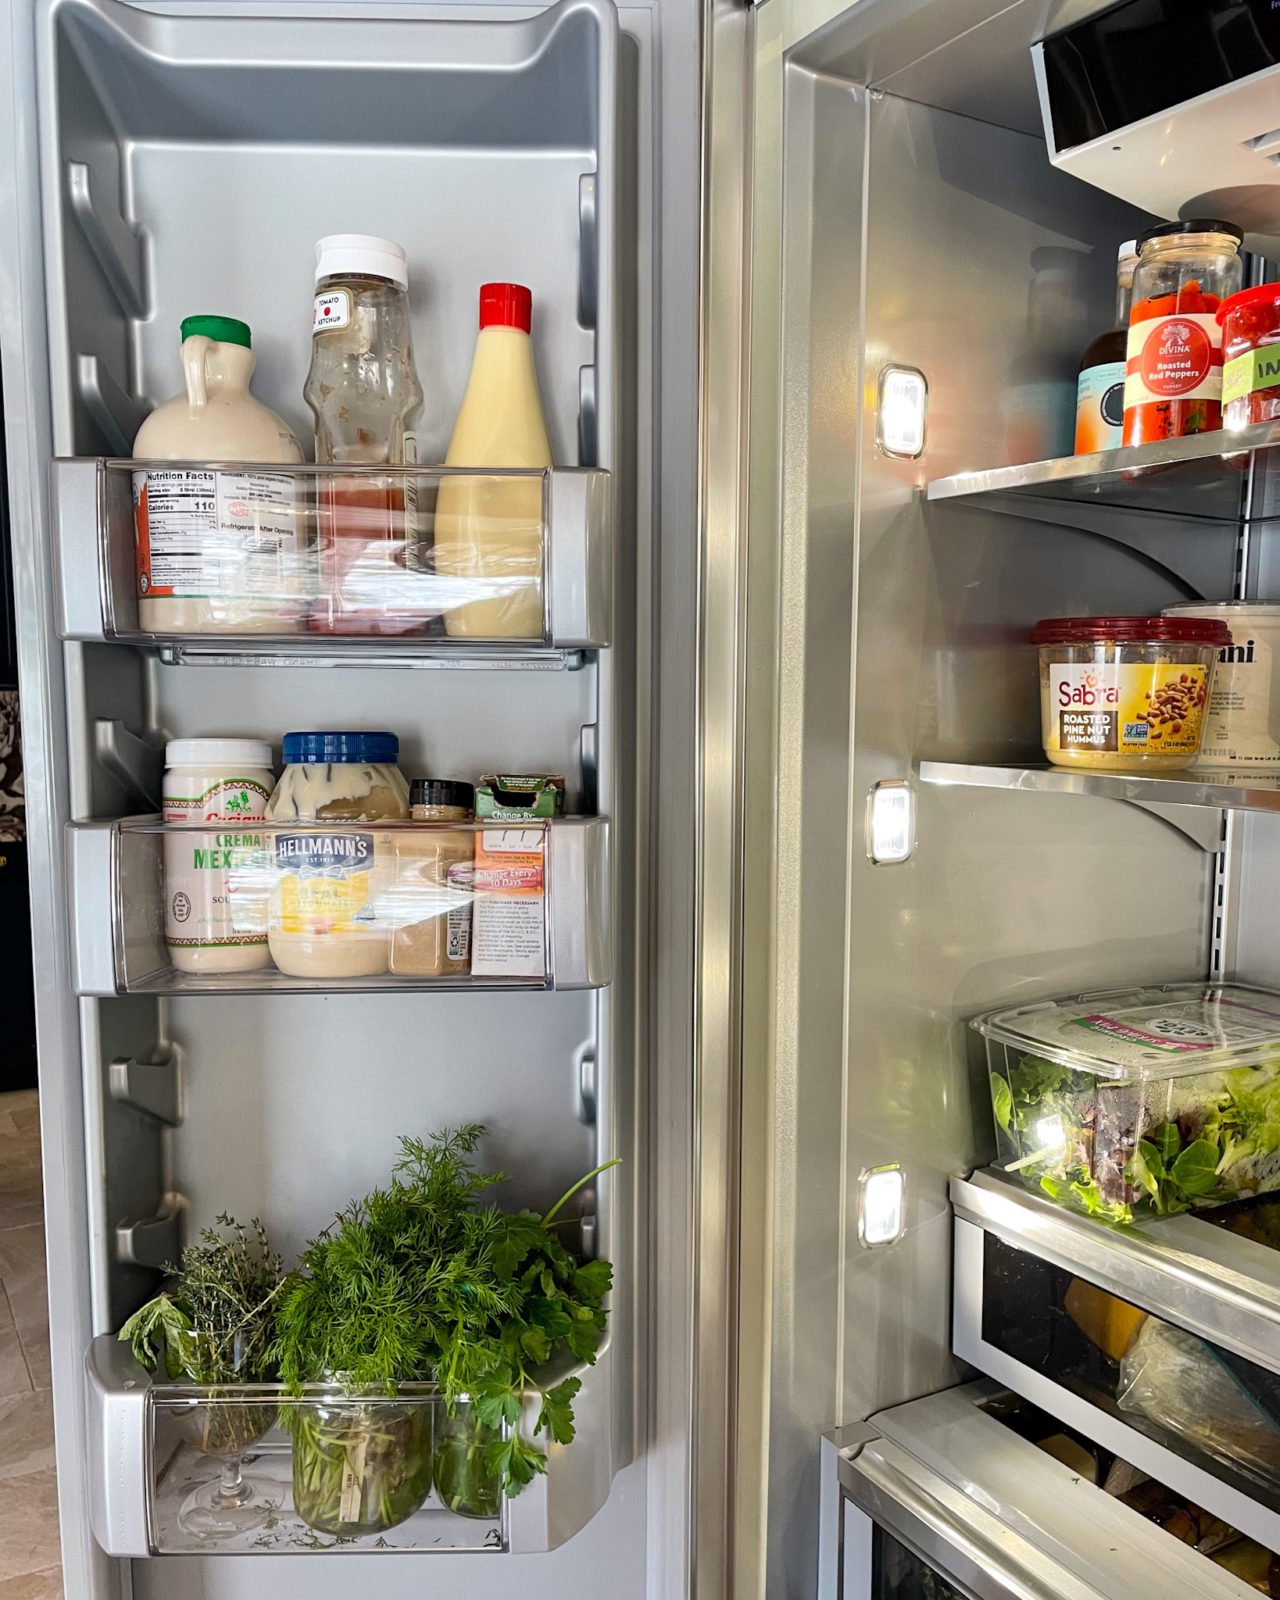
<point>938,1498</point>
<point>156,161</point>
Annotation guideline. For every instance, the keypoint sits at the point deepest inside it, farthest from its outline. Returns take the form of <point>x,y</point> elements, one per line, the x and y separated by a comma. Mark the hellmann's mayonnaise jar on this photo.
<point>1125,692</point>
<point>328,869</point>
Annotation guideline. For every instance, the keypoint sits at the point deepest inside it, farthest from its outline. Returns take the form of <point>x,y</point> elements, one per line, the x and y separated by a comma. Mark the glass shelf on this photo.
<point>1203,478</point>
<point>1235,791</point>
<point>205,908</point>
<point>212,563</point>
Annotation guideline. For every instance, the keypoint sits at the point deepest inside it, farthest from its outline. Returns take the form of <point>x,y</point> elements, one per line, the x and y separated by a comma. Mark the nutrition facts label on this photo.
<point>204,533</point>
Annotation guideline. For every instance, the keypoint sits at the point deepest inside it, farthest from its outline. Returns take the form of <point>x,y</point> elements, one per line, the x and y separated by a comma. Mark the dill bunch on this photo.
<point>423,1282</point>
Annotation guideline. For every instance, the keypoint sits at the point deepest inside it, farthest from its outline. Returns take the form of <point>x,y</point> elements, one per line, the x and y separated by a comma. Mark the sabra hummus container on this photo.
<point>1124,692</point>
<point>1145,1101</point>
<point>1242,725</point>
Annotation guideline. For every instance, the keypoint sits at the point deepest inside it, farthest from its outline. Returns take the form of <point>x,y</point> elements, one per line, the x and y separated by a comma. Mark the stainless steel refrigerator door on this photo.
<point>107,1159</point>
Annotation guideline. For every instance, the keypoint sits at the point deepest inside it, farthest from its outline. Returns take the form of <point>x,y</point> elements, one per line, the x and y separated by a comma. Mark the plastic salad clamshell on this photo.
<point>1141,1101</point>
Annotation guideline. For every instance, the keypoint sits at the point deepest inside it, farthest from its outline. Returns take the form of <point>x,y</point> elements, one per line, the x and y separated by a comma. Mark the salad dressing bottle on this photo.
<point>490,528</point>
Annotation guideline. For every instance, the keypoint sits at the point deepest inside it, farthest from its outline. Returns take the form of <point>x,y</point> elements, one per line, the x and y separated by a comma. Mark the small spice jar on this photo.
<point>1124,692</point>
<point>1173,383</point>
<point>434,878</point>
<point>1251,356</point>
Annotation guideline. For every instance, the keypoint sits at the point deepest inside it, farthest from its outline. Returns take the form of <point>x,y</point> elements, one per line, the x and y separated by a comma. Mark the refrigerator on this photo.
<point>812,282</point>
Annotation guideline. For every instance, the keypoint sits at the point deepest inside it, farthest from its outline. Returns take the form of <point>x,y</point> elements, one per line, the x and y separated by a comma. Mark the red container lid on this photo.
<point>1263,295</point>
<point>506,305</point>
<point>1131,630</point>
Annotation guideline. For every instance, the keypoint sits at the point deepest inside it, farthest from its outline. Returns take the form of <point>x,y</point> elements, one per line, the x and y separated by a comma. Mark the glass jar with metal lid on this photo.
<point>1173,381</point>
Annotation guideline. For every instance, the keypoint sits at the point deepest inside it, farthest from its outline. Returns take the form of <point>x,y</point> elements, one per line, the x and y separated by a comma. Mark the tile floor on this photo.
<point>29,1556</point>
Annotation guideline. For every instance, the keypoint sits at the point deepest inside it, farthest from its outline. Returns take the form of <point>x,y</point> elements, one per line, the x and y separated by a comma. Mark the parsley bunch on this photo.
<point>421,1281</point>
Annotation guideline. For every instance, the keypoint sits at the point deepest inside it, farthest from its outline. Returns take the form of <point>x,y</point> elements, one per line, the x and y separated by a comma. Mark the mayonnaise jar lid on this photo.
<point>319,749</point>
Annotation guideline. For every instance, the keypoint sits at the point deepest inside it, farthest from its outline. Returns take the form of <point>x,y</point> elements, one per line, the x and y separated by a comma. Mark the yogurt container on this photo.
<point>1119,693</point>
<point>1242,724</point>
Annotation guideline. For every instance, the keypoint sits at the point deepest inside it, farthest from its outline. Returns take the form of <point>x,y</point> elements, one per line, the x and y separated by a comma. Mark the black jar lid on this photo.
<point>442,792</point>
<point>1167,230</point>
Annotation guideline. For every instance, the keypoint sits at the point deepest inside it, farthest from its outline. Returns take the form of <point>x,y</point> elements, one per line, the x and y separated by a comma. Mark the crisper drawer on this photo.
<point>1159,1341</point>
<point>387,565</point>
<point>310,907</point>
<point>969,1495</point>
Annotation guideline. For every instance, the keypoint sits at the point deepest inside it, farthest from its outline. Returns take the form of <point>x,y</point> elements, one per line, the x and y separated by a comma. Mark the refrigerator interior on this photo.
<point>905,212</point>
<point>190,160</point>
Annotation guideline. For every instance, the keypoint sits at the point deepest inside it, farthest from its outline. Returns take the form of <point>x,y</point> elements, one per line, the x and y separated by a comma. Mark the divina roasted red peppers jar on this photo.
<point>1123,692</point>
<point>1251,356</point>
<point>1173,370</point>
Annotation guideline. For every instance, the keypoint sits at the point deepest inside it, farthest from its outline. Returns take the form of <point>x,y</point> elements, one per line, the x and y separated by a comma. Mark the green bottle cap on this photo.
<point>226,330</point>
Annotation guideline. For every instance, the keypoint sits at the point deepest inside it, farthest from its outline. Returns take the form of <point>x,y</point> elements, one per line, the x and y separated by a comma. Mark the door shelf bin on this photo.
<point>526,905</point>
<point>319,563</point>
<point>155,1443</point>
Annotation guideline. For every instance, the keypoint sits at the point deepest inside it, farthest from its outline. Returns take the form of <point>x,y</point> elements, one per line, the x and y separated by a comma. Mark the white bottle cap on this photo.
<point>1128,248</point>
<point>234,754</point>
<point>341,254</point>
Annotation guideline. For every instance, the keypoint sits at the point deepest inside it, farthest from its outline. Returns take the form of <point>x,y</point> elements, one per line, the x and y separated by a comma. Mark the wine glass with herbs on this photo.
<point>214,1328</point>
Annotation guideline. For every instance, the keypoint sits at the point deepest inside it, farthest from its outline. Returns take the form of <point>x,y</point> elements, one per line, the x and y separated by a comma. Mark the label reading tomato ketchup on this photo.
<point>1174,358</point>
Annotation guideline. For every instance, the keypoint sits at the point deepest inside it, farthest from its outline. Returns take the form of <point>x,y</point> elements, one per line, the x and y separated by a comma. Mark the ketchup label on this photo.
<point>1176,357</point>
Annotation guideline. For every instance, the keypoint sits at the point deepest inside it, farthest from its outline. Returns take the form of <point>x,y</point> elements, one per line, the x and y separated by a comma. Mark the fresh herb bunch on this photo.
<point>421,1282</point>
<point>216,1323</point>
<point>215,1326</point>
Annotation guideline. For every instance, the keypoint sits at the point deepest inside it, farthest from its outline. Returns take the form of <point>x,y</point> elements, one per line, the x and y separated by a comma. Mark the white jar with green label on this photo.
<point>216,878</point>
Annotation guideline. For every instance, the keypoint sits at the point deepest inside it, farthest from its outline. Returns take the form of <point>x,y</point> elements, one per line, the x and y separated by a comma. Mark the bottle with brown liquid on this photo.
<point>365,395</point>
<point>1100,389</point>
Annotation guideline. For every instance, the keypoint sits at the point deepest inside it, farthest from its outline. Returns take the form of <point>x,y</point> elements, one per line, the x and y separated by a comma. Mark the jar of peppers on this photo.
<point>1173,378</point>
<point>1251,356</point>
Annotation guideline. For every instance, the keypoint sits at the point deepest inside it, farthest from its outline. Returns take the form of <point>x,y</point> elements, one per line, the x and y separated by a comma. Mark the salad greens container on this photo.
<point>1141,1101</point>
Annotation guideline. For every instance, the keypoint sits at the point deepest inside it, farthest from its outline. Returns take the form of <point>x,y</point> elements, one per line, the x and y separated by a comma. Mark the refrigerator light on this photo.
<point>891,822</point>
<point>904,401</point>
<point>881,1213</point>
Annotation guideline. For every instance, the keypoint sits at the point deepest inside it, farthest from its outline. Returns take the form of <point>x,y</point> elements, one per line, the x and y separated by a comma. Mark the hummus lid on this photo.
<point>1138,1035</point>
<point>1131,630</point>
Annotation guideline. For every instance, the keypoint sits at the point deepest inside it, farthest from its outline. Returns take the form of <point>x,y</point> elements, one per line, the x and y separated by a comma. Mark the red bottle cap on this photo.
<point>505,305</point>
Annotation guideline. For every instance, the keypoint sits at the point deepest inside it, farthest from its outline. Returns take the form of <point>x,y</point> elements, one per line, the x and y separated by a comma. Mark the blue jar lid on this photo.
<point>318,749</point>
